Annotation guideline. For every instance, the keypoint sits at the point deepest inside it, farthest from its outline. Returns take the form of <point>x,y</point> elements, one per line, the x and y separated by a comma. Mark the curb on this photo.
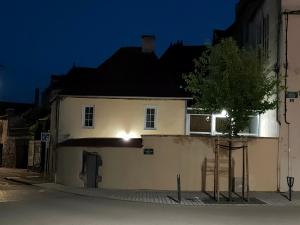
<point>17,180</point>
<point>202,204</point>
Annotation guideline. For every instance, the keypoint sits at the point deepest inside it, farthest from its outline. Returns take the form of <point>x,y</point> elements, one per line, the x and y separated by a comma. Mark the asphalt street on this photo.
<point>24,204</point>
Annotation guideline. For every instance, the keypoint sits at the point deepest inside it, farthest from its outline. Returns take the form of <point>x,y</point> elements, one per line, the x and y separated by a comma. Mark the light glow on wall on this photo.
<point>126,136</point>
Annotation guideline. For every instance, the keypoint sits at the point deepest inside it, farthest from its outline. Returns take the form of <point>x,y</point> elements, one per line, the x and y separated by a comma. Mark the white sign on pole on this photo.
<point>45,137</point>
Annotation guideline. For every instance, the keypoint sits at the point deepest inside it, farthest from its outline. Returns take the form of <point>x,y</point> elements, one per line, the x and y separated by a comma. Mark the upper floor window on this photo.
<point>88,116</point>
<point>200,123</point>
<point>151,118</point>
<point>215,124</point>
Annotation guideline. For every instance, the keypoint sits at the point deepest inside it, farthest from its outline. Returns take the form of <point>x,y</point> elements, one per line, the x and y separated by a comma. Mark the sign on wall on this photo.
<point>148,151</point>
<point>291,94</point>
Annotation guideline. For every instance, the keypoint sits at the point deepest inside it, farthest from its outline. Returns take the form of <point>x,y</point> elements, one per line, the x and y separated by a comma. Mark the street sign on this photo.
<point>45,137</point>
<point>291,94</point>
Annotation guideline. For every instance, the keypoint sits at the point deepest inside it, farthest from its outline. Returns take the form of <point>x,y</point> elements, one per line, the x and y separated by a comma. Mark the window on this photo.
<point>150,117</point>
<point>88,116</point>
<point>252,128</point>
<point>215,124</point>
<point>221,124</point>
<point>200,123</point>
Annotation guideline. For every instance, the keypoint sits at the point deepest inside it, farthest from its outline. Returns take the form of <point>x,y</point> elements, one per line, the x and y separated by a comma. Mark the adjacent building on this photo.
<point>14,134</point>
<point>272,27</point>
<point>132,94</point>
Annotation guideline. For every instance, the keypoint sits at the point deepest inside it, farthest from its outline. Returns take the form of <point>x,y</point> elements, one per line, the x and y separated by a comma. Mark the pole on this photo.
<point>230,173</point>
<point>178,188</point>
<point>243,181</point>
<point>46,158</point>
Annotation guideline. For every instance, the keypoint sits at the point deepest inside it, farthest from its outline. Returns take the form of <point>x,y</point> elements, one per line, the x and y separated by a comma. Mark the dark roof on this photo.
<point>18,108</point>
<point>130,72</point>
<point>179,59</point>
<point>103,142</point>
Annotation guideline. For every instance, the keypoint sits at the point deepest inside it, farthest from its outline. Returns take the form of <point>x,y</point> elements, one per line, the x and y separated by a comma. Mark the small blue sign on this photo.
<point>45,137</point>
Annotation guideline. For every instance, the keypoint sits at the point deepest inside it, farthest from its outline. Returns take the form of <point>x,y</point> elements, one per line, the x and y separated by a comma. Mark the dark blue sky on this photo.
<point>43,37</point>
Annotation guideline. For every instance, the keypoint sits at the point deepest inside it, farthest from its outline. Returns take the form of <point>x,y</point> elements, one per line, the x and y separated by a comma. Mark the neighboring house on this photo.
<point>14,134</point>
<point>272,27</point>
<point>127,124</point>
<point>133,93</point>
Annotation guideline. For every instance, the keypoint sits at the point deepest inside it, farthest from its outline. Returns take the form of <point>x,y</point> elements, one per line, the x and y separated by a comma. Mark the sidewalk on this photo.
<point>170,197</point>
<point>148,196</point>
<point>22,176</point>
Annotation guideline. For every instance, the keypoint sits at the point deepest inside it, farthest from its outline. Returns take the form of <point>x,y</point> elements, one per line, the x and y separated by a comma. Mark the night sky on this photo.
<point>43,37</point>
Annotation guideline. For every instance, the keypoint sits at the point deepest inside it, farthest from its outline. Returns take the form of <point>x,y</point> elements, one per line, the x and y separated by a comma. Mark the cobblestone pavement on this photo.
<point>170,198</point>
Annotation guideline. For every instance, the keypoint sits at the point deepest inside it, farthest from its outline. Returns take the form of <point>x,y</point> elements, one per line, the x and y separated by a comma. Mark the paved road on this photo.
<point>43,207</point>
<point>25,204</point>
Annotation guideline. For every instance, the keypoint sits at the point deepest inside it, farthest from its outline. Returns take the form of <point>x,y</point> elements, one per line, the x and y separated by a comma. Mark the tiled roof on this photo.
<point>132,73</point>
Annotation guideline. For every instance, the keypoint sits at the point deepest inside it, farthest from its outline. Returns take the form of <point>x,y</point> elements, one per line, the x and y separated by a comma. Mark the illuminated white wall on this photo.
<point>123,118</point>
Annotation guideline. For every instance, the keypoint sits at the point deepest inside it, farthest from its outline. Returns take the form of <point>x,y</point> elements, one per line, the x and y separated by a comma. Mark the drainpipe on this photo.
<point>277,71</point>
<point>287,14</point>
<point>285,87</point>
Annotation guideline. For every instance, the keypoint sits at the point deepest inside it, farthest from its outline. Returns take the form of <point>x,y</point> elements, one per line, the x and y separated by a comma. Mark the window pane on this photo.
<point>148,117</point>
<point>200,123</point>
<point>152,117</point>
<point>252,127</point>
<point>152,124</point>
<point>221,124</point>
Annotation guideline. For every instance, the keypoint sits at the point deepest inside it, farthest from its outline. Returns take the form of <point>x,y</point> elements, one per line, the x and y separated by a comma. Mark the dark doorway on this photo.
<point>21,155</point>
<point>91,170</point>
<point>42,156</point>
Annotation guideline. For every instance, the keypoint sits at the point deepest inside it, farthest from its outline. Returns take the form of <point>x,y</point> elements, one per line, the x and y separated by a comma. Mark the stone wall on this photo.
<point>130,168</point>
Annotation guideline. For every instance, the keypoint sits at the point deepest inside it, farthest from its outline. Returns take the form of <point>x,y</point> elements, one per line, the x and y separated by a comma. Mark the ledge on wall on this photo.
<point>103,142</point>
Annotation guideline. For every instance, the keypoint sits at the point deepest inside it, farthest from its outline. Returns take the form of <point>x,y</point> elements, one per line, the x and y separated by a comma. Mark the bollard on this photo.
<point>178,189</point>
<point>290,182</point>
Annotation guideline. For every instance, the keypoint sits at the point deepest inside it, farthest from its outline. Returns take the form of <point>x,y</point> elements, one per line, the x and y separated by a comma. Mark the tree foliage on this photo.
<point>228,78</point>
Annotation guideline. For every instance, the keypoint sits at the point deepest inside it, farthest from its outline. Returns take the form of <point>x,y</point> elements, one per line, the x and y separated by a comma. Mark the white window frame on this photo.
<point>257,128</point>
<point>213,124</point>
<point>155,117</point>
<point>83,116</point>
<point>189,123</point>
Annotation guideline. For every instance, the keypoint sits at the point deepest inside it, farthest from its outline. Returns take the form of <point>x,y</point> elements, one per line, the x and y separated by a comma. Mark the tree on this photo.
<point>228,78</point>
<point>232,79</point>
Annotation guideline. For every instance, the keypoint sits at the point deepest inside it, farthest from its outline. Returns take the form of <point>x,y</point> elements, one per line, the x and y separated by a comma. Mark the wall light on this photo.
<point>224,113</point>
<point>126,136</point>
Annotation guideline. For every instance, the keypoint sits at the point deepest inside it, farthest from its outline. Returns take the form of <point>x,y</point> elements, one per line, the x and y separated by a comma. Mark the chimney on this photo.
<point>37,97</point>
<point>148,43</point>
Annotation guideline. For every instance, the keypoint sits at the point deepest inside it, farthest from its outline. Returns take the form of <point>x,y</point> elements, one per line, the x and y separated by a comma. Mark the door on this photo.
<point>91,170</point>
<point>21,155</point>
